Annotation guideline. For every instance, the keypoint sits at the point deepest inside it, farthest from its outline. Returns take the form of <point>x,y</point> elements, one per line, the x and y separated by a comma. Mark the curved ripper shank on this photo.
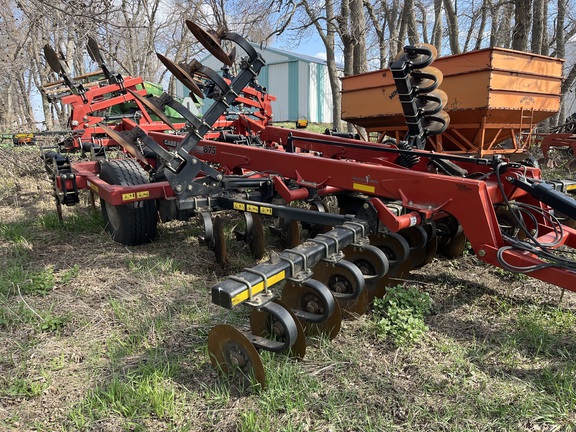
<point>182,168</point>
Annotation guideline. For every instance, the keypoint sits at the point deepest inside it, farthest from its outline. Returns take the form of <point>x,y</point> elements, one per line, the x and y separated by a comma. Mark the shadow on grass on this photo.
<point>157,300</point>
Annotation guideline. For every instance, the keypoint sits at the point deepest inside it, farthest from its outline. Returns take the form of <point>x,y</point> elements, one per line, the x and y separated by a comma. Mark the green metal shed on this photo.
<point>299,82</point>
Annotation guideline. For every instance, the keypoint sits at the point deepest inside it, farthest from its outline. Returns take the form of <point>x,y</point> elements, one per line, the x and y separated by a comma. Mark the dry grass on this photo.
<point>125,347</point>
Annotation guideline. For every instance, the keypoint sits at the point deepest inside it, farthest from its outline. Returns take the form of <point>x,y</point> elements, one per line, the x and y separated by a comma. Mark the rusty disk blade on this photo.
<point>433,102</point>
<point>441,95</point>
<point>257,243</point>
<point>372,262</point>
<point>52,59</point>
<point>219,242</point>
<point>397,250</point>
<point>437,123</point>
<point>317,229</point>
<point>431,48</point>
<point>209,42</point>
<point>262,324</point>
<point>232,353</point>
<point>453,247</point>
<point>427,79</point>
<point>300,297</point>
<point>347,284</point>
<point>146,102</point>
<point>124,143</point>
<point>290,233</point>
<point>181,74</point>
<point>417,238</point>
<point>420,60</point>
<point>431,244</point>
<point>94,50</point>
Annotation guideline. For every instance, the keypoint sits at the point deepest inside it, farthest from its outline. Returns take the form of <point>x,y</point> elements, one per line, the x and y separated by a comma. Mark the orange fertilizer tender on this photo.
<point>495,98</point>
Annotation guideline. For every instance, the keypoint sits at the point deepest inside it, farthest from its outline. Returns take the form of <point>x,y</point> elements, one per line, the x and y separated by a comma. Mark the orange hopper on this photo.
<point>496,97</point>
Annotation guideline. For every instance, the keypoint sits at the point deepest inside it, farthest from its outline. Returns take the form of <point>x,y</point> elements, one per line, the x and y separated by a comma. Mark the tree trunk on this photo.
<point>502,32</point>
<point>453,30</point>
<point>537,27</point>
<point>561,53</point>
<point>438,27</point>
<point>346,35</point>
<point>379,27</point>
<point>522,19</point>
<point>482,26</point>
<point>328,39</point>
<point>358,24</point>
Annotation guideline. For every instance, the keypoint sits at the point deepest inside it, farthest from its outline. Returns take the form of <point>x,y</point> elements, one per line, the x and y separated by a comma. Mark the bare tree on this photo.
<point>358,24</point>
<point>483,22</point>
<point>379,25</point>
<point>437,28</point>
<point>452,24</point>
<point>538,26</point>
<point>328,35</point>
<point>522,19</point>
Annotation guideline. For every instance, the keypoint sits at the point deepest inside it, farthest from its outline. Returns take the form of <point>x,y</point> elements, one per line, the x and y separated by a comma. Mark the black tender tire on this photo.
<point>129,224</point>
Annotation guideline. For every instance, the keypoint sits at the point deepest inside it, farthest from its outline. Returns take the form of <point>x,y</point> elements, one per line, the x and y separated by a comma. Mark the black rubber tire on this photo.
<point>129,224</point>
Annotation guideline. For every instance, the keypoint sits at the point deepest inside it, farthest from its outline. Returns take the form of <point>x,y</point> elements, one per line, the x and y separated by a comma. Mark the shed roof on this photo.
<point>292,55</point>
<point>289,54</point>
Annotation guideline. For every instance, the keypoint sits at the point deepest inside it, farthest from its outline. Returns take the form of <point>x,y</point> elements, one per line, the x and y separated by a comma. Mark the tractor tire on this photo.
<point>129,224</point>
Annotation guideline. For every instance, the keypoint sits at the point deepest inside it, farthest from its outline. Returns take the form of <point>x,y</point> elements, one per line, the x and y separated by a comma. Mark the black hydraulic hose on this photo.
<point>541,250</point>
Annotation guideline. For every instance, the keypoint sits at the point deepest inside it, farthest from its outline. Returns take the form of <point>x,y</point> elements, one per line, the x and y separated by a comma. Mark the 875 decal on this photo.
<point>209,149</point>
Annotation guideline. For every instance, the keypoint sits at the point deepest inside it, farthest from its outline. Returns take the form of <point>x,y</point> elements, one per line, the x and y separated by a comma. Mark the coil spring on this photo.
<point>407,160</point>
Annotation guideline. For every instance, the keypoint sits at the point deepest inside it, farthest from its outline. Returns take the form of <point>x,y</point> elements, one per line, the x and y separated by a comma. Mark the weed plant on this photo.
<point>400,314</point>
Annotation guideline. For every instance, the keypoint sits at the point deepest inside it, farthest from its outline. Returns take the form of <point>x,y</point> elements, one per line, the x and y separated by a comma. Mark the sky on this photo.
<point>310,44</point>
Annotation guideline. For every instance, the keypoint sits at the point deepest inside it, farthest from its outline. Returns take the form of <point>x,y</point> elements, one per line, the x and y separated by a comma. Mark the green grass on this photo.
<point>27,387</point>
<point>20,277</point>
<point>146,392</point>
<point>154,264</point>
<point>19,274</point>
<point>544,332</point>
<point>83,221</point>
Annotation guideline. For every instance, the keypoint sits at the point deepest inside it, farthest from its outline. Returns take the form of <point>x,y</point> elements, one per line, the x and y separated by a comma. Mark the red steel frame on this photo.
<point>368,170</point>
<point>85,117</point>
<point>558,140</point>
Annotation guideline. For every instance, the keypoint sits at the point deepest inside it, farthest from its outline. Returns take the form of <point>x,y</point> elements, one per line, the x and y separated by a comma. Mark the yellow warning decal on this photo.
<point>93,187</point>
<point>258,288</point>
<point>266,210</point>
<point>571,187</point>
<point>363,187</point>
<point>143,194</point>
<point>128,196</point>
<point>252,208</point>
<point>239,206</point>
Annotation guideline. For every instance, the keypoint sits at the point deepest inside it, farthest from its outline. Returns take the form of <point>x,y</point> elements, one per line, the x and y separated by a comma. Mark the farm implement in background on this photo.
<point>496,97</point>
<point>399,204</point>
<point>562,138</point>
<point>101,97</point>
<point>104,102</point>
